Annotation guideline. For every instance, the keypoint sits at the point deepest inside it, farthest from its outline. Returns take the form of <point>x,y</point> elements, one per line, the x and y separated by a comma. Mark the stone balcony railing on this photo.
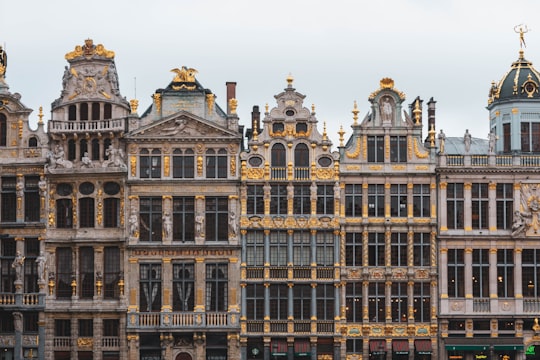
<point>306,327</point>
<point>88,126</point>
<point>183,320</point>
<point>22,299</point>
<point>489,160</point>
<point>290,273</point>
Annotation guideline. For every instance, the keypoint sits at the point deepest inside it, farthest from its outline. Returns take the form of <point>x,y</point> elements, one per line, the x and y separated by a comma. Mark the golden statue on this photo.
<point>3,62</point>
<point>184,74</point>
<point>521,30</point>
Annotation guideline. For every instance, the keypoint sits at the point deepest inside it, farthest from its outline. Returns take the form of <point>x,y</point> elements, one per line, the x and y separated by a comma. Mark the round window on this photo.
<point>255,161</point>
<point>86,188</point>
<point>111,188</point>
<point>64,189</point>
<point>289,112</point>
<point>325,161</point>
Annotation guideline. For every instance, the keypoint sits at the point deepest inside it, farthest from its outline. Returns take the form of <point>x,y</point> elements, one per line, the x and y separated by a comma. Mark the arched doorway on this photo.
<point>183,356</point>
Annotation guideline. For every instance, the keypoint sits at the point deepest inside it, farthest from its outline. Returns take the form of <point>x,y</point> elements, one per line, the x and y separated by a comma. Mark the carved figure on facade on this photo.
<point>167,225</point>
<point>527,218</point>
<point>19,187</point>
<point>133,224</point>
<point>232,223</point>
<point>66,77</point>
<point>56,159</point>
<point>467,140</point>
<point>18,321</point>
<point>86,162</point>
<point>442,139</point>
<point>386,110</point>
<point>3,62</point>
<point>41,262</point>
<point>42,185</point>
<point>112,76</point>
<point>492,140</point>
<point>184,74</point>
<point>179,126</point>
<point>199,225</point>
<point>18,264</point>
<point>116,158</point>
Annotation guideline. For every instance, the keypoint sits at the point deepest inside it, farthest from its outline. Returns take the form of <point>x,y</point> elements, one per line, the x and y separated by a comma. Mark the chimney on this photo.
<point>255,119</point>
<point>431,113</point>
<point>231,93</point>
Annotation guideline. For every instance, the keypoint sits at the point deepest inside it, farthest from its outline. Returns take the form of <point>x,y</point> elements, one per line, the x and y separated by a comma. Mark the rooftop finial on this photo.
<point>355,112</point>
<point>521,30</point>
<point>40,115</point>
<point>290,80</point>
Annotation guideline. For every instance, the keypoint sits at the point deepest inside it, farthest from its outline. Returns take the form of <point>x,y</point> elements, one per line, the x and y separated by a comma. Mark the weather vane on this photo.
<point>521,30</point>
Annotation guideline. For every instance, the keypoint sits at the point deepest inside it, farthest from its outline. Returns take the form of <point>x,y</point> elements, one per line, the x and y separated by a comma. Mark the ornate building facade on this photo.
<point>175,234</point>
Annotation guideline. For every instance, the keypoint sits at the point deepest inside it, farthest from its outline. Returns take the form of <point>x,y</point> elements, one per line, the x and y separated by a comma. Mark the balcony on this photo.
<point>306,327</point>
<point>26,300</point>
<point>62,343</point>
<point>183,320</point>
<point>290,273</point>
<point>90,126</point>
<point>110,342</point>
<point>490,160</point>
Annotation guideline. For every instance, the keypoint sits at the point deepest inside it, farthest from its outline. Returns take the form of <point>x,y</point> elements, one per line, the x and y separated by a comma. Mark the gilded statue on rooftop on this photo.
<point>521,30</point>
<point>88,49</point>
<point>3,62</point>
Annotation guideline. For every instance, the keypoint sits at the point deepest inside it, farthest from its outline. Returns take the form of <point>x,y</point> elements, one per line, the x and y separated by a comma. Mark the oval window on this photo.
<point>325,161</point>
<point>64,189</point>
<point>111,188</point>
<point>255,161</point>
<point>86,188</point>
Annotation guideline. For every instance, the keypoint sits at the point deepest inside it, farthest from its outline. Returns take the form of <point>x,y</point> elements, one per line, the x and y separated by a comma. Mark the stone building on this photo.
<point>489,245</point>
<point>388,231</point>
<point>22,230</point>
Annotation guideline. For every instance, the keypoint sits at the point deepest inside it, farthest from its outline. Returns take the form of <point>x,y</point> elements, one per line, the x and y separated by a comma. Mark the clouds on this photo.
<point>336,51</point>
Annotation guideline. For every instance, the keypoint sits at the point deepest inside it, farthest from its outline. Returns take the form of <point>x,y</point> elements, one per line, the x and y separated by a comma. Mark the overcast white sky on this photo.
<point>337,51</point>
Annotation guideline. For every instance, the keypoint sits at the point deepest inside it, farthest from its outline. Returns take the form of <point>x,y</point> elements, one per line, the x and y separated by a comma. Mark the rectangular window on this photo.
<point>456,273</point>
<point>9,199</point>
<point>255,199</point>
<point>422,302</point>
<point>325,301</point>
<point>216,164</point>
<point>505,273</point>
<point>376,200</point>
<point>278,199</point>
<point>111,327</point>
<point>325,199</point>
<point>454,206</point>
<point>480,202</point>
<point>111,212</point>
<point>255,302</point>
<point>255,249</point>
<point>398,149</point>
<point>184,219</point>
<point>325,248</point>
<point>505,204</point>
<point>86,272</point>
<point>302,200</point>
<point>525,137</point>
<point>183,286</point>
<point>7,256</point>
<point>507,139</point>
<point>398,200</point>
<point>353,249</point>
<point>150,164</point>
<point>399,302</point>
<point>353,200</point>
<point>111,273</point>
<point>376,246</point>
<point>278,248</point>
<point>86,328</point>
<point>531,273</point>
<point>86,212</point>
<point>279,295</point>
<point>150,218</point>
<point>150,287</point>
<point>64,213</point>
<point>62,328</point>
<point>32,201</point>
<point>480,271</point>
<point>421,200</point>
<point>376,298</point>
<point>353,301</point>
<point>63,273</point>
<point>302,301</point>
<point>216,287</point>
<point>31,251</point>
<point>183,164</point>
<point>398,255</point>
<point>301,248</point>
<point>30,322</point>
<point>375,149</point>
<point>422,249</point>
<point>217,222</point>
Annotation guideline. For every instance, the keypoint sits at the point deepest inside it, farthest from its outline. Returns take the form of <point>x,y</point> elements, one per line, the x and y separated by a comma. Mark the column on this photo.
<point>492,201</point>
<point>410,300</point>
<point>442,207</point>
<point>518,286</point>
<point>98,268</point>
<point>493,273</point>
<point>468,280</point>
<point>166,285</point>
<point>467,198</point>
<point>443,278</point>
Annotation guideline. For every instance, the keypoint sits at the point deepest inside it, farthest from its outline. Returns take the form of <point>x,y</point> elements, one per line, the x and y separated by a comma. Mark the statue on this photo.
<point>3,62</point>
<point>167,225</point>
<point>386,110</point>
<point>85,161</point>
<point>133,224</point>
<point>519,29</point>
<point>18,264</point>
<point>442,139</point>
<point>199,223</point>
<point>17,321</point>
<point>184,74</point>
<point>57,158</point>
<point>492,139</point>
<point>521,221</point>
<point>42,184</point>
<point>116,158</point>
<point>66,77</point>
<point>467,140</point>
<point>232,223</point>
<point>41,262</point>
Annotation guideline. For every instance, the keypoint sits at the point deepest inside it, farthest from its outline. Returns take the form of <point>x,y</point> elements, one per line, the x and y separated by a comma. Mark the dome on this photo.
<point>521,82</point>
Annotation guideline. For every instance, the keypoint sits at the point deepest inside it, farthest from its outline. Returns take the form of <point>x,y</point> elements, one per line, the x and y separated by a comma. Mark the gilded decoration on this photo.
<point>157,101</point>
<point>133,165</point>
<point>166,165</point>
<point>134,104</point>
<point>356,152</point>
<point>184,75</point>
<point>386,84</point>
<point>325,174</point>
<point>89,50</point>
<point>210,100</point>
<point>420,155</point>
<point>85,342</point>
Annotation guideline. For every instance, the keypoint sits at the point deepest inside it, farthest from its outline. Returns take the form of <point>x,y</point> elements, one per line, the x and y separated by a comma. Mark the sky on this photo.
<point>336,51</point>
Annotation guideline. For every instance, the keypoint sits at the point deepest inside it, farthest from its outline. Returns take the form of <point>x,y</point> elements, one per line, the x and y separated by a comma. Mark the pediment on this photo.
<point>181,126</point>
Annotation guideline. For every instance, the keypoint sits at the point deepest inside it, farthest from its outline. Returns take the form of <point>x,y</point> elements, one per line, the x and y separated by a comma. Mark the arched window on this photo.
<point>64,213</point>
<point>83,111</point>
<point>84,147</point>
<point>86,212</point>
<point>32,142</point>
<point>72,112</point>
<point>95,149</point>
<point>106,144</point>
<point>71,150</point>
<point>95,111</point>
<point>3,130</point>
<point>301,155</point>
<point>278,155</point>
<point>107,111</point>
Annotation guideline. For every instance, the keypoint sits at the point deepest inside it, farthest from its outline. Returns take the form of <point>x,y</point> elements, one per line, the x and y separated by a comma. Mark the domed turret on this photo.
<point>514,106</point>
